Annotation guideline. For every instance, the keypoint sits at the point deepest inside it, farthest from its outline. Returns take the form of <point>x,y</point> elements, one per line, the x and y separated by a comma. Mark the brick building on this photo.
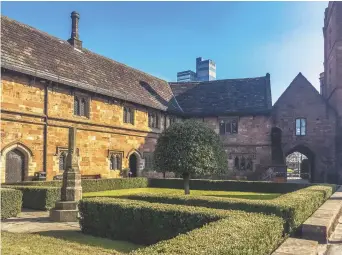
<point>49,84</point>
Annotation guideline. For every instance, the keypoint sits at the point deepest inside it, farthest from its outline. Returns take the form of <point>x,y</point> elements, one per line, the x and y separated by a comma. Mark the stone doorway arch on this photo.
<point>309,164</point>
<point>135,162</point>
<point>16,163</point>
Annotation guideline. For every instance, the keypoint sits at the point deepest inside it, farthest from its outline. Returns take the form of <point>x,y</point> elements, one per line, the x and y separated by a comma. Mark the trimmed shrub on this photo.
<point>257,235</point>
<point>148,223</point>
<point>248,186</point>
<point>40,198</point>
<point>96,184</point>
<point>11,201</point>
<point>112,184</point>
<point>293,207</point>
<point>190,148</point>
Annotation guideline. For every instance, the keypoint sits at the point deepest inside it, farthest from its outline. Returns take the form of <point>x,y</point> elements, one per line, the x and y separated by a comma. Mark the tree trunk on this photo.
<point>164,174</point>
<point>186,178</point>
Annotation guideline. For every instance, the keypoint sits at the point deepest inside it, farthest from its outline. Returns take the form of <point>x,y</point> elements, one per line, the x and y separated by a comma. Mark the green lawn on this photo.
<point>60,243</point>
<point>227,194</point>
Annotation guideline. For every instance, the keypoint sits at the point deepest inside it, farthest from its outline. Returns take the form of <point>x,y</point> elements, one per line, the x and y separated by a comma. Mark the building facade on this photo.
<point>49,84</point>
<point>186,76</point>
<point>205,70</point>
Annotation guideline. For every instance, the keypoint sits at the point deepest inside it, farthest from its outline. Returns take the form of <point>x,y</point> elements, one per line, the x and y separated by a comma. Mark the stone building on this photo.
<point>49,84</point>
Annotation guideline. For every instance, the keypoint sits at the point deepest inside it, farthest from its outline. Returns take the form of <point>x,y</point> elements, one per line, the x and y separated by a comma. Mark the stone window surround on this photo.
<point>59,151</point>
<point>301,127</point>
<point>125,115</point>
<point>86,98</point>
<point>154,119</point>
<point>115,153</point>
<point>148,156</point>
<point>227,120</point>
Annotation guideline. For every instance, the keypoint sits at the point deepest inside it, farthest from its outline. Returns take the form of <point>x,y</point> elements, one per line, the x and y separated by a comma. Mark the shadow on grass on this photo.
<point>79,237</point>
<point>249,196</point>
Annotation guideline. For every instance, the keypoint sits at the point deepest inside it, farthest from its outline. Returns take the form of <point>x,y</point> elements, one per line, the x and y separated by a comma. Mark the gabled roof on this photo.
<point>299,79</point>
<point>30,51</point>
<point>249,96</point>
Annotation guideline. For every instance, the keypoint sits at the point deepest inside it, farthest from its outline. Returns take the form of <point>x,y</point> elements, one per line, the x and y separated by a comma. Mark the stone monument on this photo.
<point>71,192</point>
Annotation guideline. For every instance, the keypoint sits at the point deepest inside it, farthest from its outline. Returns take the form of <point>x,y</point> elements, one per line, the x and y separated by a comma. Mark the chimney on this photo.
<point>74,39</point>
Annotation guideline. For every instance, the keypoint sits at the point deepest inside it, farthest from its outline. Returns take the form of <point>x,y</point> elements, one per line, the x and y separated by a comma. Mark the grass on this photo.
<point>227,194</point>
<point>60,243</point>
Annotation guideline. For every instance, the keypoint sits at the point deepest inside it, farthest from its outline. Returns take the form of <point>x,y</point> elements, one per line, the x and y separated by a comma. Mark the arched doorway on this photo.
<point>15,166</point>
<point>300,162</point>
<point>133,164</point>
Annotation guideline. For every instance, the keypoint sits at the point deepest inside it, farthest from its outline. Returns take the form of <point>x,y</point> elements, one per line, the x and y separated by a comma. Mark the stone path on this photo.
<point>29,221</point>
<point>334,247</point>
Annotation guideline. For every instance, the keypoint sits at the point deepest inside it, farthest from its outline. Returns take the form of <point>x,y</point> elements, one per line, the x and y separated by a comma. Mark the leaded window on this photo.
<point>229,126</point>
<point>148,160</point>
<point>62,161</point>
<point>153,120</point>
<point>300,127</point>
<point>128,115</point>
<point>115,160</point>
<point>81,106</point>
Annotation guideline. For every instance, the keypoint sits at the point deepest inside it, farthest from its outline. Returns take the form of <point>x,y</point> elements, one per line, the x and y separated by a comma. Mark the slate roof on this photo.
<point>30,51</point>
<point>224,97</point>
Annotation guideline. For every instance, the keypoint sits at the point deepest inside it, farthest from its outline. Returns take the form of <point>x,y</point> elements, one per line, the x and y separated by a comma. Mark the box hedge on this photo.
<point>204,230</point>
<point>11,201</point>
<point>40,198</point>
<point>293,207</point>
<point>224,185</point>
<point>93,185</point>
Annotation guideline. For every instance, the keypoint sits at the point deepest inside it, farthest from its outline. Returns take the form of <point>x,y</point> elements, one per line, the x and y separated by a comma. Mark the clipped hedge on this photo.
<point>11,201</point>
<point>204,230</point>
<point>89,185</point>
<point>224,185</point>
<point>40,198</point>
<point>293,207</point>
<point>112,184</point>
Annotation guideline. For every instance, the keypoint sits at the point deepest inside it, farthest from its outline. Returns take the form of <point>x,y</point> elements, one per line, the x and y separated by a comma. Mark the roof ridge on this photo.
<point>83,49</point>
<point>204,82</point>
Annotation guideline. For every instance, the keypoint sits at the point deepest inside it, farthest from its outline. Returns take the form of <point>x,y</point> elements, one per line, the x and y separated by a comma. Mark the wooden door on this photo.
<point>14,166</point>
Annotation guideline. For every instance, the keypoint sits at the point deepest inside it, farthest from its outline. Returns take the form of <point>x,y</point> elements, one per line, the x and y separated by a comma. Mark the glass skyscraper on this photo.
<point>205,71</point>
<point>186,76</point>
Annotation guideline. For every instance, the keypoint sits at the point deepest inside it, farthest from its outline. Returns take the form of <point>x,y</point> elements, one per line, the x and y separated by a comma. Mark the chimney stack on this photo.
<point>74,40</point>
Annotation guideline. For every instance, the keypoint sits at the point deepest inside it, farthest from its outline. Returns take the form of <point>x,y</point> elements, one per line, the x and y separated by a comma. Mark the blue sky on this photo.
<point>245,39</point>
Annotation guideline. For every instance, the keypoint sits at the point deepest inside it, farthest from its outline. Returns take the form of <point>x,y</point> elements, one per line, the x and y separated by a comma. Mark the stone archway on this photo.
<point>16,163</point>
<point>135,162</point>
<point>309,164</point>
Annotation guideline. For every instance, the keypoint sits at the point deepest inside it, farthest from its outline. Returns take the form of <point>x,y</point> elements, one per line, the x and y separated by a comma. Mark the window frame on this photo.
<point>301,126</point>
<point>150,156</point>
<point>228,126</point>
<point>154,120</point>
<point>84,99</point>
<point>128,115</point>
<point>118,159</point>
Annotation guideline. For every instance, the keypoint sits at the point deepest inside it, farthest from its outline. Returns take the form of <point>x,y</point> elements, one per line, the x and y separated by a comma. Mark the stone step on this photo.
<point>323,222</point>
<point>294,246</point>
<point>64,215</point>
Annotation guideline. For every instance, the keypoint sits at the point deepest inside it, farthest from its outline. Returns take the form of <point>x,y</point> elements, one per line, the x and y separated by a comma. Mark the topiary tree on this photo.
<point>187,148</point>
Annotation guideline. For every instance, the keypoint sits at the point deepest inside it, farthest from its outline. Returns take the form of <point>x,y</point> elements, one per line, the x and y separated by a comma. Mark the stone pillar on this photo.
<point>71,192</point>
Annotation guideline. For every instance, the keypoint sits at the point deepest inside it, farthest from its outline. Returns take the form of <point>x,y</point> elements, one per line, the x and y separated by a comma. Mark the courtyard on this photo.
<point>153,219</point>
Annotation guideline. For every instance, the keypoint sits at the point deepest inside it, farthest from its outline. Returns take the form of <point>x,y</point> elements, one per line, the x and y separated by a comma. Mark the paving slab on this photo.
<point>30,221</point>
<point>294,246</point>
<point>322,223</point>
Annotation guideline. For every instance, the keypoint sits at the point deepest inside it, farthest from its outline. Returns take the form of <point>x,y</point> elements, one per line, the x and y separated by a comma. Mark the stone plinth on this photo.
<point>66,210</point>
